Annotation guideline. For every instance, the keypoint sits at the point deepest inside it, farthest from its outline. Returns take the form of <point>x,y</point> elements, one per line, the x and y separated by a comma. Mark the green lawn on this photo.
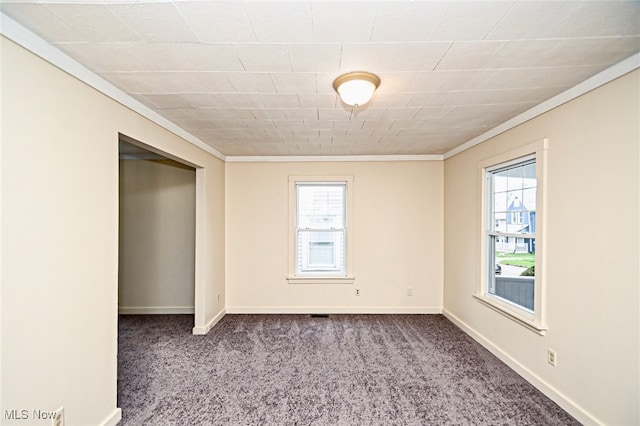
<point>524,260</point>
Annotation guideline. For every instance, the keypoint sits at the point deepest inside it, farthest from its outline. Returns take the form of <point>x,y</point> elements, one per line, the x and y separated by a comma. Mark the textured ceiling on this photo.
<point>255,77</point>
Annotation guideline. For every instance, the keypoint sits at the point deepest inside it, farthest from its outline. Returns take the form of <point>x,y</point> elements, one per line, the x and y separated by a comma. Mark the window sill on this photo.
<point>321,280</point>
<point>503,309</point>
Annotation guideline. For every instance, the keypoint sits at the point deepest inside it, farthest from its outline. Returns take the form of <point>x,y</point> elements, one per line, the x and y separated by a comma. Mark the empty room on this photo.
<point>391,212</point>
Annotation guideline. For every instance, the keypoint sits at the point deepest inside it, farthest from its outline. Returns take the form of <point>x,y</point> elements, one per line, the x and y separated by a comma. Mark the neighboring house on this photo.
<point>518,220</point>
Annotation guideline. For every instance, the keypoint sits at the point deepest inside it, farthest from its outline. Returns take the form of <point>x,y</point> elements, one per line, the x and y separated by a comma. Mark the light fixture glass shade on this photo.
<point>356,88</point>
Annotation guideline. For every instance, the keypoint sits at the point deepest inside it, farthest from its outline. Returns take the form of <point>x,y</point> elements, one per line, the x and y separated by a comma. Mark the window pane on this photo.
<point>320,251</point>
<point>511,261</point>
<point>529,199</point>
<point>529,175</point>
<point>500,181</point>
<point>515,178</point>
<point>320,206</point>
<point>514,279</point>
<point>500,202</point>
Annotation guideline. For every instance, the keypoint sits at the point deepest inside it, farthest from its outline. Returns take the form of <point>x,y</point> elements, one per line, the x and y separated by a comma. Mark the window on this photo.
<point>511,190</point>
<point>320,241</point>
<point>511,281</point>
<point>320,228</point>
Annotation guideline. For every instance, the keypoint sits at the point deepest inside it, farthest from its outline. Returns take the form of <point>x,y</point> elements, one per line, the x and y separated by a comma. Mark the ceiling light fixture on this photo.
<point>356,88</point>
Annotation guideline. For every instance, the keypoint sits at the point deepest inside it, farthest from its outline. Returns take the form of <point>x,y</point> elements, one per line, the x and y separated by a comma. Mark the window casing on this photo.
<point>321,230</point>
<point>512,199</point>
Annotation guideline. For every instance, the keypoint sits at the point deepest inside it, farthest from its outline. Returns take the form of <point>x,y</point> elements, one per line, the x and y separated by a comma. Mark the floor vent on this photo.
<point>319,315</point>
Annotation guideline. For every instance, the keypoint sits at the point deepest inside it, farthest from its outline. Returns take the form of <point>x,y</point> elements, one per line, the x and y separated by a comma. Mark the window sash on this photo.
<point>513,183</point>
<point>320,218</point>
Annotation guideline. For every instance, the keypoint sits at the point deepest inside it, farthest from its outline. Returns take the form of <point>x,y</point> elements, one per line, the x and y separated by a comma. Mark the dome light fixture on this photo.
<point>356,88</point>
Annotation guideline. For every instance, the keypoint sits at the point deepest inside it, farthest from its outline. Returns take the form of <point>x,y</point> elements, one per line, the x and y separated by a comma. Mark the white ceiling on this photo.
<point>255,77</point>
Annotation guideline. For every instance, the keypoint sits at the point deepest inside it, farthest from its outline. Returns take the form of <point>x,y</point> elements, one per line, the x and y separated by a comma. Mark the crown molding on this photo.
<point>330,158</point>
<point>618,70</point>
<point>25,38</point>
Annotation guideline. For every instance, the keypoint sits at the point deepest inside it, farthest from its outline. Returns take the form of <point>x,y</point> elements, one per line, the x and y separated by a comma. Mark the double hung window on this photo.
<point>511,232</point>
<point>512,252</point>
<point>321,230</point>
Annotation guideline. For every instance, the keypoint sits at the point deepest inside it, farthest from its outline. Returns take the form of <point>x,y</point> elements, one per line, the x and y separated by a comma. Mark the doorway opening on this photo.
<point>160,197</point>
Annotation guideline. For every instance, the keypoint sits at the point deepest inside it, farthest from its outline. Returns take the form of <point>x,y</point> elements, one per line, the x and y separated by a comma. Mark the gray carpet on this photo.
<point>298,370</point>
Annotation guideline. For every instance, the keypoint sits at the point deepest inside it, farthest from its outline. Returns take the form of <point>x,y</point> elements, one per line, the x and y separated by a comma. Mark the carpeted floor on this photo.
<point>299,370</point>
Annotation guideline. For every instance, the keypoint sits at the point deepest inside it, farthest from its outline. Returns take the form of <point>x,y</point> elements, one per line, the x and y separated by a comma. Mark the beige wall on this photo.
<point>59,153</point>
<point>156,262</point>
<point>397,237</point>
<point>592,249</point>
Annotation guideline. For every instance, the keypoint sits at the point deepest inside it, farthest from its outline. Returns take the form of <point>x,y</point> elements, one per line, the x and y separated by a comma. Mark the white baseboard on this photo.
<point>562,400</point>
<point>150,310</point>
<point>113,419</point>
<point>208,326</point>
<point>332,310</point>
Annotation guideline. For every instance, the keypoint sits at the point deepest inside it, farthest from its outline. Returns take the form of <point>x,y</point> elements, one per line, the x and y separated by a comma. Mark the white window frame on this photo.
<point>534,321</point>
<point>321,277</point>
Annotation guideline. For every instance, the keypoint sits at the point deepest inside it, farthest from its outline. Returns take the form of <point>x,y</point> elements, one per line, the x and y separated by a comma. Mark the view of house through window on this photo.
<point>511,232</point>
<point>320,228</point>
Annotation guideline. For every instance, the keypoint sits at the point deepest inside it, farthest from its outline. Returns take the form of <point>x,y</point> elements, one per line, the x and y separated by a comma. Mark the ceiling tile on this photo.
<point>318,124</point>
<point>315,57</point>
<point>212,57</point>
<point>324,82</point>
<point>148,82</point>
<point>433,112</point>
<point>208,82</point>
<point>343,21</point>
<point>155,22</point>
<point>373,57</point>
<point>470,55</point>
<point>115,57</point>
<point>430,99</point>
<point>281,21</point>
<point>406,21</point>
<point>251,82</point>
<point>437,81</point>
<point>41,22</point>
<point>289,124</point>
<point>348,124</point>
<point>289,82</point>
<point>530,77</point>
<point>392,57</point>
<point>199,124</point>
<point>264,57</point>
<point>94,22</point>
<point>166,101</point>
<point>392,100</point>
<point>217,21</point>
<point>334,114</point>
<point>210,113</point>
<point>258,124</point>
<point>298,114</point>
<point>320,100</point>
<point>377,124</point>
<point>600,18</point>
<point>568,52</point>
<point>517,22</point>
<point>468,20</point>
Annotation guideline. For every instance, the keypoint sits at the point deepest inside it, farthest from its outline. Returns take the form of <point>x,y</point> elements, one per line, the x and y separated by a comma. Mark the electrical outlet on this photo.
<point>409,291</point>
<point>552,357</point>
<point>58,417</point>
<point>357,292</point>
